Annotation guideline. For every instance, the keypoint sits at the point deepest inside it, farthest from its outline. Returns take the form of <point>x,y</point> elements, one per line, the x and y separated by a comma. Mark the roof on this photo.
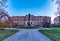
<point>31,16</point>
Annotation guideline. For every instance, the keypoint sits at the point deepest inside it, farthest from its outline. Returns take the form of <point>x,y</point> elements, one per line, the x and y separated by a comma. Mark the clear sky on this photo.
<point>35,7</point>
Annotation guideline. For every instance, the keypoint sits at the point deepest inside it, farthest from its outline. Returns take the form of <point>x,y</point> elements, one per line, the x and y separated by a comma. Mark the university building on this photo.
<point>30,20</point>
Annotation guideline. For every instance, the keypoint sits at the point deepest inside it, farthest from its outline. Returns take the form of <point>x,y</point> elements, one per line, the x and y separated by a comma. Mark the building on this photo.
<point>30,20</point>
<point>27,20</point>
<point>57,21</point>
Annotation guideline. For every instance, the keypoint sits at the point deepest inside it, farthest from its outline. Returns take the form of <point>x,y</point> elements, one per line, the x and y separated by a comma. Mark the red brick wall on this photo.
<point>22,21</point>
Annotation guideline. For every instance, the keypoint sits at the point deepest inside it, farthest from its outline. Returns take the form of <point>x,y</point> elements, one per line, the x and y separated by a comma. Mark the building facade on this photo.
<point>30,20</point>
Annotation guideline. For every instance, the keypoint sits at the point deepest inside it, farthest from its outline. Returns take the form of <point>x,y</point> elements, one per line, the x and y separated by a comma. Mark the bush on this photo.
<point>2,29</point>
<point>46,25</point>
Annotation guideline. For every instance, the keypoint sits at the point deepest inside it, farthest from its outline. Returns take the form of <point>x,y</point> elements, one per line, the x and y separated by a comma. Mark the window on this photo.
<point>17,19</point>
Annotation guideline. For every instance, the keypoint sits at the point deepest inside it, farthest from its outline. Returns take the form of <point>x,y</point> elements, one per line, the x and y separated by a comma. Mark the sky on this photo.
<point>34,7</point>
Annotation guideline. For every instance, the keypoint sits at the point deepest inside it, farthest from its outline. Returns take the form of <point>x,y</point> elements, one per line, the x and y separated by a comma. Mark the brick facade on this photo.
<point>34,20</point>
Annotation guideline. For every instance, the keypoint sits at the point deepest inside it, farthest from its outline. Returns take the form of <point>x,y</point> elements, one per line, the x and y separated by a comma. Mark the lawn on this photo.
<point>6,33</point>
<point>53,34</point>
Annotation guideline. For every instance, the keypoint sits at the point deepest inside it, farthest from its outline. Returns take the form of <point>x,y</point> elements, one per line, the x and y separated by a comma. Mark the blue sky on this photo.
<point>35,7</point>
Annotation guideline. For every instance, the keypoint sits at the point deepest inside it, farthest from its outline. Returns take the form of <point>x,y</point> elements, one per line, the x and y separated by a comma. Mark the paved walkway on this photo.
<point>27,35</point>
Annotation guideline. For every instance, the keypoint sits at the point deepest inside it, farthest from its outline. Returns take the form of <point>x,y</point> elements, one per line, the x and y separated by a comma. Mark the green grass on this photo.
<point>6,33</point>
<point>53,34</point>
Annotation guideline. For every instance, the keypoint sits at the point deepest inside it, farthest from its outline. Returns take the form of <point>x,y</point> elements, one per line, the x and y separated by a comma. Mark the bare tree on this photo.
<point>2,7</point>
<point>58,8</point>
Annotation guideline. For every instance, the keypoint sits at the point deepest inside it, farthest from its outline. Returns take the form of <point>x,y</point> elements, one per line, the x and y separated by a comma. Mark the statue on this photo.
<point>29,18</point>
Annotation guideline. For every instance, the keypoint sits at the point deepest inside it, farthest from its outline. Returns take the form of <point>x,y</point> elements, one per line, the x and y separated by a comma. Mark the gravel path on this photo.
<point>27,35</point>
